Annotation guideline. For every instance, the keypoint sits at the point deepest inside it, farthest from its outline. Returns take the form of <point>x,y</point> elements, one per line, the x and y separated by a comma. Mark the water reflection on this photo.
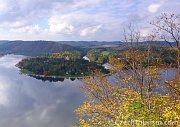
<point>160,88</point>
<point>28,102</point>
<point>52,79</point>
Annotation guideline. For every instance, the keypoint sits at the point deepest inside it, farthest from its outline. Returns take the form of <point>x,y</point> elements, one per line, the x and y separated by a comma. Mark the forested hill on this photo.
<point>36,48</point>
<point>32,48</point>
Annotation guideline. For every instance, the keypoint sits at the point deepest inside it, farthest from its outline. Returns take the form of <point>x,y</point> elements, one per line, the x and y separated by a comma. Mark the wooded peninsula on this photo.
<point>66,64</point>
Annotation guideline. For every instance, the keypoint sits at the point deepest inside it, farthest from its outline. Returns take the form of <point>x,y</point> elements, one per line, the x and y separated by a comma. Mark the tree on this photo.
<point>133,97</point>
<point>108,105</point>
<point>168,25</point>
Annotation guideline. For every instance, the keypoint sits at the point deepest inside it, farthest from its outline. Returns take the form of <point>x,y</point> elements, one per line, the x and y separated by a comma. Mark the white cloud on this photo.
<point>88,31</point>
<point>73,19</point>
<point>31,32</point>
<point>60,24</point>
<point>61,28</point>
<point>85,3</point>
<point>78,22</point>
<point>27,29</point>
<point>153,8</point>
<point>144,32</point>
<point>3,6</point>
<point>15,24</point>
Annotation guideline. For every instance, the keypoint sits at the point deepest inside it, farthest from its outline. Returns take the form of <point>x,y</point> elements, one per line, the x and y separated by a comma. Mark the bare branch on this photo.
<point>170,24</point>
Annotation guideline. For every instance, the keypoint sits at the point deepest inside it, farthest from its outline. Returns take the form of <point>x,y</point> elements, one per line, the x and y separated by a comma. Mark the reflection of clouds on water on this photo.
<point>10,61</point>
<point>3,93</point>
<point>52,115</point>
<point>28,102</point>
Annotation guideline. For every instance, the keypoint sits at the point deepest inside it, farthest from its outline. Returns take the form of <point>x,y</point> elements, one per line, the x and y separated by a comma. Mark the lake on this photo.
<point>29,102</point>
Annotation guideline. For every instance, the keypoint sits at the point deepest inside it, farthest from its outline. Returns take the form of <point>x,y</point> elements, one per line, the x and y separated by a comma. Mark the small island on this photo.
<point>66,64</point>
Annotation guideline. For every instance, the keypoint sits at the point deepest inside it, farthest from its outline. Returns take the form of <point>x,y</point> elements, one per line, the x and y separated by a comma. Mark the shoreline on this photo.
<point>56,77</point>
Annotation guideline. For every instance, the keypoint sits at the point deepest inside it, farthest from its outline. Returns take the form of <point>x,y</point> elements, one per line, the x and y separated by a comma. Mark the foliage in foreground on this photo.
<point>109,105</point>
<point>141,93</point>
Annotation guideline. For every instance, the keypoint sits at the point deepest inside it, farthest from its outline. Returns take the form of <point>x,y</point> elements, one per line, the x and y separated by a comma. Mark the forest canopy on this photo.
<point>67,64</point>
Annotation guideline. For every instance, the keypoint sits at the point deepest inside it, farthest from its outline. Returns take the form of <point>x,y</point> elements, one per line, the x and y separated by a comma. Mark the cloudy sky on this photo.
<point>77,19</point>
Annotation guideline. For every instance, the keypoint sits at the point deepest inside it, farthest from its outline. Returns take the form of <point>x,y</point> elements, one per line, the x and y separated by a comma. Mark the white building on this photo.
<point>86,58</point>
<point>107,66</point>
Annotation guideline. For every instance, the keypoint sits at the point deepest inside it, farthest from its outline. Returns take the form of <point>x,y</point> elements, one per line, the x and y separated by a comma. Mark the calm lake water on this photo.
<point>28,102</point>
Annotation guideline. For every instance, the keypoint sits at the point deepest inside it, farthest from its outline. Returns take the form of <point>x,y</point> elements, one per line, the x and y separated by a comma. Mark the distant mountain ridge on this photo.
<point>87,44</point>
<point>33,48</point>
